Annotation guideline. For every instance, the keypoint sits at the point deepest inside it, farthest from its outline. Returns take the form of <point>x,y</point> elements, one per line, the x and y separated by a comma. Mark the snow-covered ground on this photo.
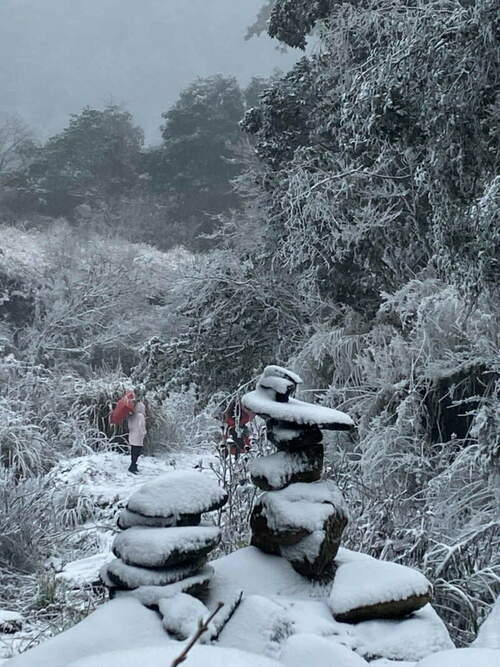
<point>271,615</point>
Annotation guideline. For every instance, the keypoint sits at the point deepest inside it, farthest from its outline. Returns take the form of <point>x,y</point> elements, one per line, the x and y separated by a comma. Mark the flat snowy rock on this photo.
<point>84,571</point>
<point>197,584</point>
<point>163,655</point>
<point>129,577</point>
<point>463,657</point>
<point>371,589</point>
<point>10,621</point>
<point>162,547</point>
<point>177,493</point>
<point>295,411</point>
<point>127,519</point>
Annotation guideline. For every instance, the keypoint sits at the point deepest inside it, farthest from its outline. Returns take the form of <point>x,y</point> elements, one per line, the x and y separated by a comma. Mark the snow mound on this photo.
<point>182,614</point>
<point>161,547</point>
<point>463,657</point>
<point>366,583</point>
<point>162,656</point>
<point>130,576</point>
<point>119,624</point>
<point>489,632</point>
<point>259,625</point>
<point>309,649</point>
<point>295,411</point>
<point>411,639</point>
<point>178,493</point>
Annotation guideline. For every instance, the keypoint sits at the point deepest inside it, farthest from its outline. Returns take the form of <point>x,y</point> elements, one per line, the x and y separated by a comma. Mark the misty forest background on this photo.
<point>340,218</point>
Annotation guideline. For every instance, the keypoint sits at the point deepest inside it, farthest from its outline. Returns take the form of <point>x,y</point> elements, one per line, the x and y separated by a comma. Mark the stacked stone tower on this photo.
<point>162,542</point>
<point>298,516</point>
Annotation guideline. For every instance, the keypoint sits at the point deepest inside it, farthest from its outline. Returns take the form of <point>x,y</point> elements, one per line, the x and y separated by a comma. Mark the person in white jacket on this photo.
<point>136,434</point>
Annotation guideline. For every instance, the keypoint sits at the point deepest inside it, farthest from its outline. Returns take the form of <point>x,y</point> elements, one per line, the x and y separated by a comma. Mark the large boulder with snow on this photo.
<point>128,577</point>
<point>164,547</point>
<point>371,589</point>
<point>178,497</point>
<point>304,523</point>
<point>278,470</point>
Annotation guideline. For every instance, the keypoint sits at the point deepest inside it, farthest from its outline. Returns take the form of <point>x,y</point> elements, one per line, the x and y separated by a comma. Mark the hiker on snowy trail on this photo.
<point>136,434</point>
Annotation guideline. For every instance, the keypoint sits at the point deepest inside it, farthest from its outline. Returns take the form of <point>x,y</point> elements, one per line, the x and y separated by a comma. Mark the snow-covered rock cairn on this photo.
<point>298,516</point>
<point>162,543</point>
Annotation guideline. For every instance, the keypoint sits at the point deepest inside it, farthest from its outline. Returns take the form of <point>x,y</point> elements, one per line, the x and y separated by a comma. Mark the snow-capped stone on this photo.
<point>280,469</point>
<point>295,411</point>
<point>163,547</point>
<point>131,576</point>
<point>182,614</point>
<point>127,519</point>
<point>196,585</point>
<point>370,589</point>
<point>165,654</point>
<point>288,515</point>
<point>280,372</point>
<point>463,657</point>
<point>309,649</point>
<point>10,621</point>
<point>176,494</point>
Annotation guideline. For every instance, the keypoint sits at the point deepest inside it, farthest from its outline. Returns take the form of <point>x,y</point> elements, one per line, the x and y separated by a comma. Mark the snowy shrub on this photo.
<point>421,473</point>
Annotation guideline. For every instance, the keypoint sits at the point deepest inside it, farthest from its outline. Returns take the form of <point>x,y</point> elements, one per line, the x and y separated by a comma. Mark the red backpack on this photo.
<point>124,408</point>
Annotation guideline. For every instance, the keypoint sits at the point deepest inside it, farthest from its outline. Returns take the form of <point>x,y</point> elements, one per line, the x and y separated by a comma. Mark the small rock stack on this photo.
<point>163,542</point>
<point>298,517</point>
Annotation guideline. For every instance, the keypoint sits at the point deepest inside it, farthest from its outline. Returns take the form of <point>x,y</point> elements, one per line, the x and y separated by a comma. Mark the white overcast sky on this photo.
<point>57,56</point>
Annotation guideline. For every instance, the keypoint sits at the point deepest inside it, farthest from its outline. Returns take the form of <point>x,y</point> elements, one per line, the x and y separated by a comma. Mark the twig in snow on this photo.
<point>202,627</point>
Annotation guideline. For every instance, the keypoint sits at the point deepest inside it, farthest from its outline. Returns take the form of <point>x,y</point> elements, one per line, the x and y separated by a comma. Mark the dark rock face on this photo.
<point>286,535</point>
<point>394,609</point>
<point>287,436</point>
<point>277,471</point>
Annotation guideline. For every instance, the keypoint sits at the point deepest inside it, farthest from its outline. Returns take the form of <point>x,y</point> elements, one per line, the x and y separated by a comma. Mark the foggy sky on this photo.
<point>57,56</point>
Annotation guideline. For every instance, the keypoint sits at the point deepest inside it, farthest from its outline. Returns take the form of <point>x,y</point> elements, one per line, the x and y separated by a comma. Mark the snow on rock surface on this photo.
<point>10,621</point>
<point>412,638</point>
<point>298,412</point>
<point>122,575</point>
<point>118,624</point>
<point>182,614</point>
<point>368,588</point>
<point>277,469</point>
<point>163,655</point>
<point>178,493</point>
<point>127,519</point>
<point>84,571</point>
<point>489,632</point>
<point>309,649</point>
<point>463,657</point>
<point>303,505</point>
<point>161,547</point>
